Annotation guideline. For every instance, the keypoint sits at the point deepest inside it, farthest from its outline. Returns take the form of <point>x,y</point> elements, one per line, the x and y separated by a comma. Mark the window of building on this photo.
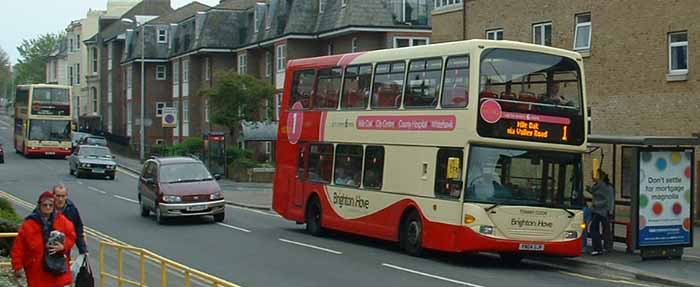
<point>281,58</point>
<point>415,11</point>
<point>162,35</point>
<point>207,69</point>
<point>161,72</point>
<point>128,118</point>
<point>176,130</point>
<point>302,88</point>
<point>185,117</point>
<point>70,75</point>
<point>278,106</point>
<point>582,37</point>
<point>388,85</point>
<point>328,88</point>
<point>129,83</point>
<point>77,74</point>
<point>331,49</point>
<point>70,46</point>
<point>109,87</point>
<point>206,110</point>
<point>320,162</point>
<point>448,173</point>
<point>185,79</point>
<point>440,4</point>
<point>355,46</point>
<point>94,61</point>
<point>356,87</point>
<point>344,3</point>
<point>455,91</point>
<point>542,34</point>
<point>321,5</point>
<point>268,151</point>
<point>348,165</point>
<point>94,100</point>
<point>109,56</point>
<point>176,72</point>
<point>495,34</point>
<point>268,64</point>
<point>242,64</point>
<point>400,42</point>
<point>374,167</point>
<point>77,42</point>
<point>159,109</point>
<point>109,117</point>
<point>424,78</point>
<point>678,53</point>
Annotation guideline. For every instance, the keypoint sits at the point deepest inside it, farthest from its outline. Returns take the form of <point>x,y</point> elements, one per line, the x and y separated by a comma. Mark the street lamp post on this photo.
<point>142,136</point>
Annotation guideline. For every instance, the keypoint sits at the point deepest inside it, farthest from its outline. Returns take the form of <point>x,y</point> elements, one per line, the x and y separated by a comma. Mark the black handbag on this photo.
<point>85,278</point>
<point>56,263</point>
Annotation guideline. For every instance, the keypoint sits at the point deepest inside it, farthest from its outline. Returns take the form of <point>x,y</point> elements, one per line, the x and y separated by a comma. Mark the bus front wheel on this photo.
<point>411,235</point>
<point>313,217</point>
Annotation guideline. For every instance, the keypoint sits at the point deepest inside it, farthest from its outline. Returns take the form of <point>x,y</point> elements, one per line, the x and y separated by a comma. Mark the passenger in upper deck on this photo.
<point>553,97</point>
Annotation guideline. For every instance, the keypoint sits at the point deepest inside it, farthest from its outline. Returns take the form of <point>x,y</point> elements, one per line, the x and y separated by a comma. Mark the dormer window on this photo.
<point>321,5</point>
<point>162,35</point>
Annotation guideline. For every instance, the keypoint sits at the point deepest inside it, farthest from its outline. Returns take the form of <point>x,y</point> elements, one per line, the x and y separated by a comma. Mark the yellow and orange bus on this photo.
<point>43,120</point>
<point>465,146</point>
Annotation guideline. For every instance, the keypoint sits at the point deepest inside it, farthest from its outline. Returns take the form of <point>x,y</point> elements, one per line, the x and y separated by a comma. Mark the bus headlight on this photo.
<point>486,229</point>
<point>570,234</point>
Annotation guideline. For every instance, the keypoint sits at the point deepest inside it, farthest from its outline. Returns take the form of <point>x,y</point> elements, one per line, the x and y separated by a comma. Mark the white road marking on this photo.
<point>692,257</point>
<point>431,275</point>
<point>126,198</point>
<point>311,246</point>
<point>254,210</point>
<point>233,227</point>
<point>96,189</point>
<point>80,182</point>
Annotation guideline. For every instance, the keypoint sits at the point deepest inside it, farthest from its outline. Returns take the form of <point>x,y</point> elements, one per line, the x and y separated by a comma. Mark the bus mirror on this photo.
<point>454,168</point>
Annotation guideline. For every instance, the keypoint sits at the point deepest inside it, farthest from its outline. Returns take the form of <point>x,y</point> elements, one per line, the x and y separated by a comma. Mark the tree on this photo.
<point>5,74</point>
<point>237,98</point>
<point>34,54</point>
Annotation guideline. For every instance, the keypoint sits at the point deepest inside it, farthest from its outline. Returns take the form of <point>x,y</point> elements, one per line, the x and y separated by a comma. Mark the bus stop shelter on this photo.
<point>618,156</point>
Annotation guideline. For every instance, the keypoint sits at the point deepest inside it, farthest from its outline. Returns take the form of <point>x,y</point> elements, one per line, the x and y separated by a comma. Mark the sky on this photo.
<point>27,19</point>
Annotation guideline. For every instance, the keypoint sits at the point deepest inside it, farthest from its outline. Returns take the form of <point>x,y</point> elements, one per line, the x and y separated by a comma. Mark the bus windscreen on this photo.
<point>524,177</point>
<point>530,96</point>
<point>50,101</point>
<point>49,130</point>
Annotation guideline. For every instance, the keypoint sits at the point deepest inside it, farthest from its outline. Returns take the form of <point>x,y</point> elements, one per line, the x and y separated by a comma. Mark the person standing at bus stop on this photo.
<point>603,198</point>
<point>67,208</point>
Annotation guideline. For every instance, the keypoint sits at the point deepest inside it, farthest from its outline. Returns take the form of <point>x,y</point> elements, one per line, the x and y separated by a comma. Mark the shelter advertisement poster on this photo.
<point>665,197</point>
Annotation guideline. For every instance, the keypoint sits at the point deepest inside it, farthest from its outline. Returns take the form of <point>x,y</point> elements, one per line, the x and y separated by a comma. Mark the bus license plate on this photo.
<point>196,208</point>
<point>50,153</point>
<point>531,247</point>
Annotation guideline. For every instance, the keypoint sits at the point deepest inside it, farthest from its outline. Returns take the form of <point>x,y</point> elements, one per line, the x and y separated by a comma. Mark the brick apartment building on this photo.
<point>186,48</point>
<point>638,55</point>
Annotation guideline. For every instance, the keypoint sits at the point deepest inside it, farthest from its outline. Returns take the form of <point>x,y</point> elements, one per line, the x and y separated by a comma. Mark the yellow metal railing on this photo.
<point>7,235</point>
<point>165,265</point>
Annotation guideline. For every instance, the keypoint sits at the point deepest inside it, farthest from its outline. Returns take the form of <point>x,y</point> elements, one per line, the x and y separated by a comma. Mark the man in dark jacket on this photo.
<point>67,208</point>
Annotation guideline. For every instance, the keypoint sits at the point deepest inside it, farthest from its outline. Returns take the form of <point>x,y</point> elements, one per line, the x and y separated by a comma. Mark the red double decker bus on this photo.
<point>43,120</point>
<point>464,146</point>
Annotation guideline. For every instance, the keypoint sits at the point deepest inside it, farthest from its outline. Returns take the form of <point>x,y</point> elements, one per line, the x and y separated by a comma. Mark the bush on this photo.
<point>9,222</point>
<point>241,158</point>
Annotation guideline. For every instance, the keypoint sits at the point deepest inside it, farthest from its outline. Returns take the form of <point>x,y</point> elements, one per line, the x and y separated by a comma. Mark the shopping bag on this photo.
<point>75,266</point>
<point>84,277</point>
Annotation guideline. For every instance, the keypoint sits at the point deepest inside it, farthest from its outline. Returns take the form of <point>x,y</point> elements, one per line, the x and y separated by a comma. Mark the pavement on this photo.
<point>617,263</point>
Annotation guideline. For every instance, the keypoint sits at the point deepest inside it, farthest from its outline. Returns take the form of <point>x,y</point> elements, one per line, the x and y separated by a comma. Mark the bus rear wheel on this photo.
<point>411,234</point>
<point>313,217</point>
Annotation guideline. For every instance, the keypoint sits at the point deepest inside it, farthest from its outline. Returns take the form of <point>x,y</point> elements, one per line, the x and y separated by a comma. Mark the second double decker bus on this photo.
<point>465,147</point>
<point>43,120</point>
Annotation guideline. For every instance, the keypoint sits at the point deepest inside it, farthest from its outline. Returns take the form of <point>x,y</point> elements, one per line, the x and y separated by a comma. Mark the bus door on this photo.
<point>449,183</point>
<point>299,179</point>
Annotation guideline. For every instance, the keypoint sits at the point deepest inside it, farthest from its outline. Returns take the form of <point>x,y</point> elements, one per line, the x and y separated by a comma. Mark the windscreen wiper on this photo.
<point>571,214</point>
<point>491,207</point>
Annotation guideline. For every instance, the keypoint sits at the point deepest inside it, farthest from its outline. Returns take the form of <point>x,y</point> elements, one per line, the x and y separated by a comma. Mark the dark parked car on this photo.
<point>93,140</point>
<point>77,137</point>
<point>2,154</point>
<point>92,160</point>
<point>177,187</point>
